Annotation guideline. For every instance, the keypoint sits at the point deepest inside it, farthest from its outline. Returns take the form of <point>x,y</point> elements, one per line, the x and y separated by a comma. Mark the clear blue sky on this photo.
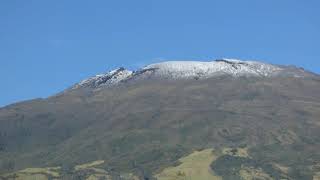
<point>46,45</point>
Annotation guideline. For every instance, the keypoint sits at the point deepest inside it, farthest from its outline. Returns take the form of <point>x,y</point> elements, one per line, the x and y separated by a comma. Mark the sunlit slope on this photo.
<point>201,165</point>
<point>206,164</point>
<point>195,166</point>
<point>87,171</point>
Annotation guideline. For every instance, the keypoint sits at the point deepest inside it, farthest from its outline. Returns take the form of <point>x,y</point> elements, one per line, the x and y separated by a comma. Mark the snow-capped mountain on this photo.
<point>109,78</point>
<point>194,70</point>
<point>187,69</point>
<point>143,122</point>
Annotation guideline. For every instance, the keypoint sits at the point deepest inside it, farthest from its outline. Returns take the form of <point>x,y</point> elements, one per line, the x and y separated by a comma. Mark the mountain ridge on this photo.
<point>194,69</point>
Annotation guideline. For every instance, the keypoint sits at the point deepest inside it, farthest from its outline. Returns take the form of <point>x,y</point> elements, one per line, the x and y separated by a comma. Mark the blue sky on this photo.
<point>46,46</point>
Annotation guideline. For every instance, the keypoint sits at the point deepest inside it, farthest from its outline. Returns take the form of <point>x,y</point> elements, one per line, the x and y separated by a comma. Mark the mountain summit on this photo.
<point>194,70</point>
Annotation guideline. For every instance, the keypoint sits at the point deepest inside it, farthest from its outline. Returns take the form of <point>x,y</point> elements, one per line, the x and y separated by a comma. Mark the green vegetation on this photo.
<point>229,167</point>
<point>144,127</point>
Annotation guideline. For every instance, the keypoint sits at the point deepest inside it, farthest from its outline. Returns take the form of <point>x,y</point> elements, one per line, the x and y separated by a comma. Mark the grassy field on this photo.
<point>195,166</point>
<point>87,171</point>
<point>35,174</point>
<point>205,164</point>
<point>88,165</point>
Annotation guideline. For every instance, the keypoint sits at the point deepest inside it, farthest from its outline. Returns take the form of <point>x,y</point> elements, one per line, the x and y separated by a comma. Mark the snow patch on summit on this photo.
<point>234,67</point>
<point>110,78</point>
<point>193,70</point>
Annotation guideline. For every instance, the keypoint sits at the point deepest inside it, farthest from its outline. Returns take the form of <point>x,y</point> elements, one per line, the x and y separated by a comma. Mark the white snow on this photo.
<point>185,70</point>
<point>110,78</point>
